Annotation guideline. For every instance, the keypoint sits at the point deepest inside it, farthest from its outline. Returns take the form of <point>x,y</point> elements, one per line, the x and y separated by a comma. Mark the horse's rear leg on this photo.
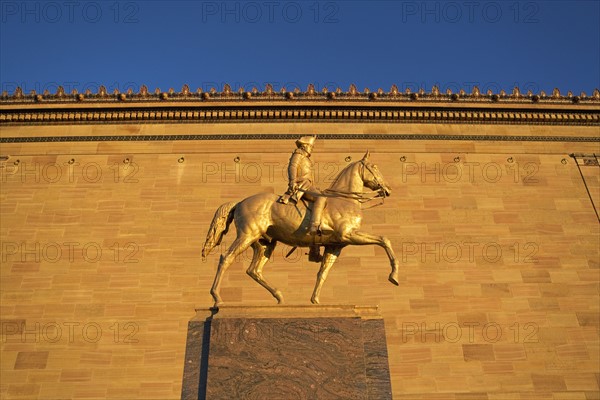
<point>262,253</point>
<point>237,247</point>
<point>331,254</point>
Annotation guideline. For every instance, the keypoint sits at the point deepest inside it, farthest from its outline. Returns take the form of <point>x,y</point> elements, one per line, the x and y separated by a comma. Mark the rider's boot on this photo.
<point>314,253</point>
<point>315,218</point>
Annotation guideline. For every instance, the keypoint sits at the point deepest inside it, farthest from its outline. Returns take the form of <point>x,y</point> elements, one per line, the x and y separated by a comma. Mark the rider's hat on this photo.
<point>309,140</point>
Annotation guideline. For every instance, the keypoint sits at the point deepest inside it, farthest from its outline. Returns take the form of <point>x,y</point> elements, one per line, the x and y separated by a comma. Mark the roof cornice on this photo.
<point>269,94</point>
<point>307,106</point>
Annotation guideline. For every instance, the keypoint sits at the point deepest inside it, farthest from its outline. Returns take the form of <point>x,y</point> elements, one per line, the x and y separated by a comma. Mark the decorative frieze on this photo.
<point>296,114</point>
<point>297,106</point>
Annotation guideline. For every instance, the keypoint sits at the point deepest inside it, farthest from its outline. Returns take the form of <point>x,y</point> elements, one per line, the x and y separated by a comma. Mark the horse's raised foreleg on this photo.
<point>331,254</point>
<point>238,246</point>
<point>262,253</point>
<point>362,238</point>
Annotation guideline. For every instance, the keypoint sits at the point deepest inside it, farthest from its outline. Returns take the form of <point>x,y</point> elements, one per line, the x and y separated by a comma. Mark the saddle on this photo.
<point>314,254</point>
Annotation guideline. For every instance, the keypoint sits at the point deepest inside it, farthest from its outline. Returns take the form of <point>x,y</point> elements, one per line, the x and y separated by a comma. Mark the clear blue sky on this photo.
<point>80,44</point>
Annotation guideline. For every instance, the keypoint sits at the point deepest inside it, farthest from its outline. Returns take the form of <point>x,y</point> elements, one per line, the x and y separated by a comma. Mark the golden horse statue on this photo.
<point>261,221</point>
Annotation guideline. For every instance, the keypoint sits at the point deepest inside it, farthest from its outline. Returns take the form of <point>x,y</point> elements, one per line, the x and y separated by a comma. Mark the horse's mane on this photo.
<point>342,172</point>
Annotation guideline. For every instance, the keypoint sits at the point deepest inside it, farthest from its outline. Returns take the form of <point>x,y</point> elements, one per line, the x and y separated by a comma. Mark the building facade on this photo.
<point>106,199</point>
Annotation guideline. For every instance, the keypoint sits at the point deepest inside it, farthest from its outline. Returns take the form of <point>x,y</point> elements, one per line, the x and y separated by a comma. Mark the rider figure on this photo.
<point>300,176</point>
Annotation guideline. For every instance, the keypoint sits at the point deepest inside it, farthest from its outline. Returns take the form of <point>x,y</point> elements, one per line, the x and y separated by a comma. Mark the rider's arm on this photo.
<point>293,170</point>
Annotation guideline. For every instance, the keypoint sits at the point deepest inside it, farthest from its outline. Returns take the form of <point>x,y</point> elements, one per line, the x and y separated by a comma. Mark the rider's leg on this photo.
<point>314,253</point>
<point>317,212</point>
<point>315,221</point>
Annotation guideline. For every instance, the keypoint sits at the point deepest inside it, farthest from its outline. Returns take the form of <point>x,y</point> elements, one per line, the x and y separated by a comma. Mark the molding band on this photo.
<point>509,116</point>
<point>290,136</point>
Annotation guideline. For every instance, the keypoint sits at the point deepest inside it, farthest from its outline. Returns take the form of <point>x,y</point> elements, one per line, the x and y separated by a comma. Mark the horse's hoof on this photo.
<point>218,303</point>
<point>394,278</point>
<point>314,300</point>
<point>279,296</point>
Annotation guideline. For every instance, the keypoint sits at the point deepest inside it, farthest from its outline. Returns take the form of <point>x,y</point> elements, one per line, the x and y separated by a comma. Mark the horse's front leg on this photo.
<point>331,254</point>
<point>362,238</point>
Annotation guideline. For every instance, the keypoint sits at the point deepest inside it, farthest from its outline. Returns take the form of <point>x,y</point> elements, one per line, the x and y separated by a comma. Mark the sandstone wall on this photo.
<point>498,242</point>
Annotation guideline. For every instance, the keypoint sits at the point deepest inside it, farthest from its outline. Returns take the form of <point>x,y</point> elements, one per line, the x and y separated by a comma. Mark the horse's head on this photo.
<point>372,178</point>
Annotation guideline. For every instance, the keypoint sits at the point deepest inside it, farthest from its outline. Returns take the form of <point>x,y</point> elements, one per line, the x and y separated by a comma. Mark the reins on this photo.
<point>361,197</point>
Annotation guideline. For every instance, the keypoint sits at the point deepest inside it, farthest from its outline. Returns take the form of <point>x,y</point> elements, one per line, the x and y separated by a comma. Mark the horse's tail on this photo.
<point>218,227</point>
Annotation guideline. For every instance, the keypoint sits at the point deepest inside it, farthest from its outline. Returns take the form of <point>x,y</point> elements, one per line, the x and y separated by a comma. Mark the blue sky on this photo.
<point>537,45</point>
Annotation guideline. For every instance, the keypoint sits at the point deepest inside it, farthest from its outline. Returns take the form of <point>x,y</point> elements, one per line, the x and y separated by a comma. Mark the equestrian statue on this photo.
<point>302,217</point>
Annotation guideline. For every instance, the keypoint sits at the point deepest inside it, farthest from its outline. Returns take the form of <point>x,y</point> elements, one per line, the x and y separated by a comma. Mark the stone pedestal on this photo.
<point>286,352</point>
